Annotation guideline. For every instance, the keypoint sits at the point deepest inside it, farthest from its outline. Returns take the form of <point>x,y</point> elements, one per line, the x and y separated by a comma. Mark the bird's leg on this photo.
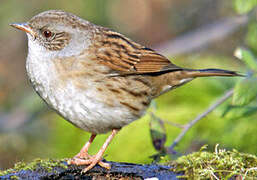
<point>96,159</point>
<point>83,154</point>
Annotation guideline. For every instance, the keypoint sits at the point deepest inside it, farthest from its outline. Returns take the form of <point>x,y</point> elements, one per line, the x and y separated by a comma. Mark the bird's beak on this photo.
<point>24,27</point>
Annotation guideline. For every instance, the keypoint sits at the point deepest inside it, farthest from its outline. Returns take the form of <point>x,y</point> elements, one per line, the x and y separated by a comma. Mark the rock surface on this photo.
<point>122,171</point>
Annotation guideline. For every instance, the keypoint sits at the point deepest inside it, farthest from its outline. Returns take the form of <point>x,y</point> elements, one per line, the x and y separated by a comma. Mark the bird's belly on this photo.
<point>86,107</point>
<point>83,109</point>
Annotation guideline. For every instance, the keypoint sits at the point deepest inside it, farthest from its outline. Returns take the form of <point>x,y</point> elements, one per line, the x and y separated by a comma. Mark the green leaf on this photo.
<point>158,133</point>
<point>236,112</point>
<point>245,91</point>
<point>227,110</point>
<point>251,36</point>
<point>247,57</point>
<point>244,6</point>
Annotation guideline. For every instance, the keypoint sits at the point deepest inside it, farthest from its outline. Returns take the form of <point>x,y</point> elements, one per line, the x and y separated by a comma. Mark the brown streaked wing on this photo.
<point>123,55</point>
<point>150,61</point>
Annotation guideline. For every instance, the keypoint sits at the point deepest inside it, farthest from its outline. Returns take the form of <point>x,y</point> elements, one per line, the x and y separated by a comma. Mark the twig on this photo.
<point>181,126</point>
<point>200,116</point>
<point>202,36</point>
<point>168,122</point>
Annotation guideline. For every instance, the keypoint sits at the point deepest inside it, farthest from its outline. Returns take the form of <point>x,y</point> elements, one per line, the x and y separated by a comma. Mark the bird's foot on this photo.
<point>91,161</point>
<point>83,158</point>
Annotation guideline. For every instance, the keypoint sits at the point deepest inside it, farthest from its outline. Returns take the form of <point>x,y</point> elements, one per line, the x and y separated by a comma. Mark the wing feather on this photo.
<point>123,55</point>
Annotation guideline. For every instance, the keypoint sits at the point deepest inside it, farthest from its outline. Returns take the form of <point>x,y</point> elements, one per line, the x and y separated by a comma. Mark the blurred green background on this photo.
<point>192,33</point>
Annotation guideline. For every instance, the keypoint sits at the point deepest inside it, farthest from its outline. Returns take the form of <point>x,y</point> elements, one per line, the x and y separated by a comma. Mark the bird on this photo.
<point>97,79</point>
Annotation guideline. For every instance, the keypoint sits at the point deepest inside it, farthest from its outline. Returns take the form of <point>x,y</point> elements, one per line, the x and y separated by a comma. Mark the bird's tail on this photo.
<point>192,73</point>
<point>180,77</point>
<point>177,78</point>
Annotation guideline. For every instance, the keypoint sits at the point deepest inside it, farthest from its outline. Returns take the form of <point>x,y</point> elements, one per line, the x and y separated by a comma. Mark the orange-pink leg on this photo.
<point>91,161</point>
<point>83,154</point>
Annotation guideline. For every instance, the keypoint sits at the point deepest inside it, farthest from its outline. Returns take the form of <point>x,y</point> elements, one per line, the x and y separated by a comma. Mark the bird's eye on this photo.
<point>47,33</point>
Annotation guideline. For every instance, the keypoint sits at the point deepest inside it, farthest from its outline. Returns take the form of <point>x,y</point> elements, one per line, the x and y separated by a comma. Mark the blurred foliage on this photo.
<point>37,132</point>
<point>245,91</point>
<point>244,101</point>
<point>158,133</point>
<point>252,36</point>
<point>243,6</point>
<point>247,57</point>
<point>158,136</point>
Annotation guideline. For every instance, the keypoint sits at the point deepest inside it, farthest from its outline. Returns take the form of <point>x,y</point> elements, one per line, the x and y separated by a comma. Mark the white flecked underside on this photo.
<point>82,108</point>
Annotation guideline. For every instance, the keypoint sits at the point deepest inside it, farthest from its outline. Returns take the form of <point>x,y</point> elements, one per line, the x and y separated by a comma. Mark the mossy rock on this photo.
<point>58,169</point>
<point>220,164</point>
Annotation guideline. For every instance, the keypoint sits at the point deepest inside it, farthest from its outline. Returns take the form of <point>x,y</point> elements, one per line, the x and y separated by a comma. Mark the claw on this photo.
<point>91,165</point>
<point>91,162</point>
<point>96,160</point>
<point>104,165</point>
<point>82,158</point>
<point>77,161</point>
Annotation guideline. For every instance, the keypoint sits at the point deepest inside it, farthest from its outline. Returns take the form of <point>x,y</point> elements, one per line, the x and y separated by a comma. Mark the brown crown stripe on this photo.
<point>130,106</point>
<point>75,23</point>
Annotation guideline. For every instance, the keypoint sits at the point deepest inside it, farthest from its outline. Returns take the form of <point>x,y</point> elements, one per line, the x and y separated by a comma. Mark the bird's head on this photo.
<point>57,33</point>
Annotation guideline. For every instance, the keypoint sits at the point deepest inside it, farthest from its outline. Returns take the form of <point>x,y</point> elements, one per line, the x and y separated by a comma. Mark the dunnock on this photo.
<point>97,79</point>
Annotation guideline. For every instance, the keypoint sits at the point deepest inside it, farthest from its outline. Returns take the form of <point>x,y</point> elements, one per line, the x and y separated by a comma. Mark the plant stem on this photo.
<point>200,116</point>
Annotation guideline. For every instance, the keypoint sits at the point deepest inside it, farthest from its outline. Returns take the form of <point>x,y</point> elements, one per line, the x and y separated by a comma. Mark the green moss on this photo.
<point>220,164</point>
<point>46,164</point>
<point>14,177</point>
